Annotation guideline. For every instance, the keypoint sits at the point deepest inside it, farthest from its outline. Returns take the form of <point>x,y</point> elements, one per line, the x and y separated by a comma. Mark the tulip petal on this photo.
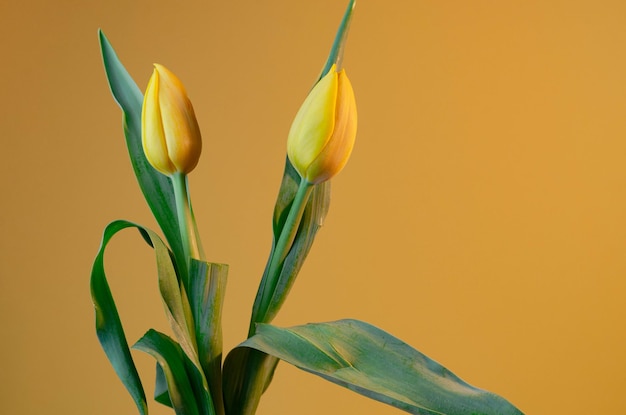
<point>153,138</point>
<point>171,135</point>
<point>314,124</point>
<point>180,127</point>
<point>334,156</point>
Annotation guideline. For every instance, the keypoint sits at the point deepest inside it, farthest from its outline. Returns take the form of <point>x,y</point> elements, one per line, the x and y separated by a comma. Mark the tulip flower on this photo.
<point>322,135</point>
<point>172,144</point>
<point>170,133</point>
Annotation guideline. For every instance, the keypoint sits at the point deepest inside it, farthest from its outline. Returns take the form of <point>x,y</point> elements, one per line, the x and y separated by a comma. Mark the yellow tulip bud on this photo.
<point>322,135</point>
<point>170,133</point>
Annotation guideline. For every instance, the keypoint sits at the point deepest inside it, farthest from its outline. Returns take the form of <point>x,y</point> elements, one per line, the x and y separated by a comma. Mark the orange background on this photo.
<point>482,216</point>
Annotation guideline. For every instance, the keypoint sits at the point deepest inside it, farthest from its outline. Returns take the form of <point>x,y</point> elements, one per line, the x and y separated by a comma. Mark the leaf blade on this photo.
<point>277,286</point>
<point>156,188</point>
<point>171,359</point>
<point>109,326</point>
<point>238,383</point>
<point>377,365</point>
<point>206,287</point>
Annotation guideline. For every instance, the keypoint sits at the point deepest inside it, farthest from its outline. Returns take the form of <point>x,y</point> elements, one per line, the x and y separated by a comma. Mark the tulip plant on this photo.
<point>164,143</point>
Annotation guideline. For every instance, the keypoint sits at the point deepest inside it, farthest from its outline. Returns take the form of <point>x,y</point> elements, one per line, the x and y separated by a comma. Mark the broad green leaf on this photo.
<point>375,364</point>
<point>109,326</point>
<point>207,285</point>
<point>157,188</point>
<point>185,390</point>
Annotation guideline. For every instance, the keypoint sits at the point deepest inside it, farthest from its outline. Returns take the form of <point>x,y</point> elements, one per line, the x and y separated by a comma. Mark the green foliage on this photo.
<point>375,364</point>
<point>189,373</point>
<point>247,374</point>
<point>206,287</point>
<point>161,395</point>
<point>113,340</point>
<point>185,383</point>
<point>189,315</point>
<point>109,327</point>
<point>156,188</point>
<point>276,286</point>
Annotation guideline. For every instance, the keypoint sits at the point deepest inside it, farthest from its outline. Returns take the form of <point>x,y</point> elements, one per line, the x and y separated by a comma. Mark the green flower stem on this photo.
<point>186,222</point>
<point>189,239</point>
<point>192,248</point>
<point>279,253</point>
<point>288,234</point>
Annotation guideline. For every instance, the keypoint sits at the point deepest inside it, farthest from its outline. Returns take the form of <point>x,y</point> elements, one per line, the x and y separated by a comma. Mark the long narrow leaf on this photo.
<point>109,326</point>
<point>156,188</point>
<point>174,300</point>
<point>375,364</point>
<point>312,219</point>
<point>335,56</point>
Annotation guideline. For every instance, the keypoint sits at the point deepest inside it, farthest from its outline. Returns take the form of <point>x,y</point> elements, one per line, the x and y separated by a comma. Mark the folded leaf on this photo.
<point>184,384</point>
<point>375,364</point>
<point>278,286</point>
<point>109,326</point>
<point>206,288</point>
<point>156,188</point>
<point>242,392</point>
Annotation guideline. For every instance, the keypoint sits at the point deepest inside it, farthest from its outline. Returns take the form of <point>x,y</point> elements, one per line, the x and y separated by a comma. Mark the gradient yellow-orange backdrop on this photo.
<point>482,217</point>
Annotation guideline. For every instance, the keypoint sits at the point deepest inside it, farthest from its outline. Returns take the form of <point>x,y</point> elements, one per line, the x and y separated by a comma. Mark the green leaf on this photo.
<point>336,51</point>
<point>109,326</point>
<point>160,388</point>
<point>277,286</point>
<point>375,364</point>
<point>206,287</point>
<point>175,365</point>
<point>248,374</point>
<point>173,296</point>
<point>156,188</point>
<point>242,392</point>
<point>312,220</point>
